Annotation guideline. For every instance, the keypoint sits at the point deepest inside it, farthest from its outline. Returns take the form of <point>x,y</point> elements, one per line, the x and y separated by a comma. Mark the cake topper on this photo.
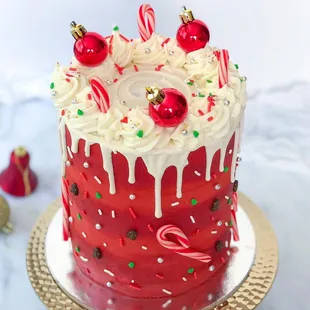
<point>193,34</point>
<point>167,106</point>
<point>90,48</point>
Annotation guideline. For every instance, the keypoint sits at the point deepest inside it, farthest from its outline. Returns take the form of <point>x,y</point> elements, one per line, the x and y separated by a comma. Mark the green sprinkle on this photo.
<point>77,249</point>
<point>79,216</point>
<point>98,195</point>
<point>191,270</point>
<point>80,112</point>
<point>194,202</point>
<point>201,95</point>
<point>210,94</point>
<point>237,66</point>
<point>116,28</point>
<point>209,81</point>
<point>226,169</point>
<point>195,133</point>
<point>140,133</point>
<point>230,223</point>
<point>132,265</point>
<point>52,85</point>
<point>190,83</point>
<point>229,201</point>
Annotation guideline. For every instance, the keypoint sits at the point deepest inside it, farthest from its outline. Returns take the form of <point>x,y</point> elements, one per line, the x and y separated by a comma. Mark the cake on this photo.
<point>150,131</point>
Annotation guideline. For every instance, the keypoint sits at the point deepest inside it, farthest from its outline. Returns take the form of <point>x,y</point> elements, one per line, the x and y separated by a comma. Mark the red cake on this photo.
<point>150,131</point>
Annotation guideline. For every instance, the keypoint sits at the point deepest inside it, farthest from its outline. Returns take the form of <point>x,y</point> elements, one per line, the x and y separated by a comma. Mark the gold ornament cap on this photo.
<point>77,31</point>
<point>154,94</point>
<point>20,151</point>
<point>186,16</point>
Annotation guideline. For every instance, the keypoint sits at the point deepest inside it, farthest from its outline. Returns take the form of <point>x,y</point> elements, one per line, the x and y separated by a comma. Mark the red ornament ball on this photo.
<point>193,35</point>
<point>91,50</point>
<point>171,111</point>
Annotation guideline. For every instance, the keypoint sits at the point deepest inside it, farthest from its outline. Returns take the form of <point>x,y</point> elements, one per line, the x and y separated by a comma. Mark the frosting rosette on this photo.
<point>175,56</point>
<point>122,50</point>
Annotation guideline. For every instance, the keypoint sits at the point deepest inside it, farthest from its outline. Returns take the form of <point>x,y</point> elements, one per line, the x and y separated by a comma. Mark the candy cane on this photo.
<point>146,21</point>
<point>223,67</point>
<point>183,248</point>
<point>233,216</point>
<point>66,210</point>
<point>100,94</point>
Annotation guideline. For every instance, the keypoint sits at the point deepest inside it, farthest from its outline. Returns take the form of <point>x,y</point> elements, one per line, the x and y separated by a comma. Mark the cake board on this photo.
<point>244,283</point>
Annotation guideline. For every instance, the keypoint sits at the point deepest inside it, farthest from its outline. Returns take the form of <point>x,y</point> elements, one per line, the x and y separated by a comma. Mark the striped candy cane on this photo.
<point>146,21</point>
<point>100,94</point>
<point>223,67</point>
<point>183,248</point>
<point>234,210</point>
<point>66,209</point>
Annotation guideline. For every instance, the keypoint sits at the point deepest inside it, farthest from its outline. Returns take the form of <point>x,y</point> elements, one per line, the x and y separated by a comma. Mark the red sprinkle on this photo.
<point>150,227</point>
<point>135,286</point>
<point>200,112</point>
<point>212,218</point>
<point>214,176</point>
<point>68,80</point>
<point>159,276</point>
<point>63,112</point>
<point>193,95</point>
<point>89,97</point>
<point>84,212</point>
<point>132,212</point>
<point>217,54</point>
<point>87,270</point>
<point>158,68</point>
<point>197,231</point>
<point>165,42</point>
<point>72,69</point>
<point>223,260</point>
<point>115,80</point>
<point>210,119</point>
<point>83,175</point>
<point>195,275</point>
<point>124,38</point>
<point>136,68</point>
<point>67,181</point>
<point>124,120</point>
<point>69,75</point>
<point>121,242</point>
<point>111,39</point>
<point>86,195</point>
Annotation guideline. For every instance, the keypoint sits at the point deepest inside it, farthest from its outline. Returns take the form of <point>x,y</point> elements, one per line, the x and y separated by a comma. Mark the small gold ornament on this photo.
<point>77,31</point>
<point>154,95</point>
<point>186,16</point>
<point>5,225</point>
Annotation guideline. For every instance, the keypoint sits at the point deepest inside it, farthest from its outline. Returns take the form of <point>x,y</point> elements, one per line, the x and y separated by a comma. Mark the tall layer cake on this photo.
<point>150,130</point>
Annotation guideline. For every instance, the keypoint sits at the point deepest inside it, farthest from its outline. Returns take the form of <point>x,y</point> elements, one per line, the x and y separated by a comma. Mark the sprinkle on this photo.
<point>86,165</point>
<point>159,276</point>
<point>71,203</point>
<point>190,82</point>
<point>166,291</point>
<point>184,132</point>
<point>219,223</point>
<point>195,275</point>
<point>165,42</point>
<point>158,68</point>
<point>110,302</point>
<point>77,249</point>
<point>229,201</point>
<point>194,202</point>
<point>131,265</point>
<point>167,303</point>
<point>223,260</point>
<point>213,232</point>
<point>150,227</point>
<point>136,68</point>
<point>132,234</point>
<point>228,253</point>
<point>191,270</point>
<point>197,231</point>
<point>72,69</point>
<point>226,102</point>
<point>99,211</point>
<point>226,244</point>
<point>79,216</point>
<point>192,219</point>
<point>97,253</point>
<point>105,244</point>
<point>175,204</point>
<point>69,151</point>
<point>98,195</point>
<point>210,119</point>
<point>193,95</point>
<point>89,97</point>
<point>200,112</point>
<point>140,133</point>
<point>116,28</point>
<point>132,212</point>
<point>135,286</point>
<point>212,218</point>
<point>68,80</point>
<point>211,268</point>
<point>113,214</point>
<point>217,187</point>
<point>98,226</point>
<point>109,272</point>
<point>144,247</point>
<point>63,112</point>
<point>236,66</point>
<point>124,38</point>
<point>201,95</point>
<point>86,195</point>
<point>132,196</point>
<point>160,260</point>
<point>70,219</point>
<point>124,120</point>
<point>68,163</point>
<point>184,279</point>
<point>82,174</point>
<point>69,75</point>
<point>109,284</point>
<point>52,85</point>
<point>84,235</point>
<point>210,297</point>
<point>195,133</point>
<point>209,81</point>
<point>219,245</point>
<point>80,112</point>
<point>197,173</point>
<point>147,50</point>
<point>226,169</point>
<point>84,259</point>
<point>121,242</point>
<point>97,179</point>
<point>226,224</point>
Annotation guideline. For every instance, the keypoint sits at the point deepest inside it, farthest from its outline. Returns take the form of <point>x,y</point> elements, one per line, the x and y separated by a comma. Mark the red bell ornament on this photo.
<point>193,34</point>
<point>90,48</point>
<point>167,106</point>
<point>18,179</point>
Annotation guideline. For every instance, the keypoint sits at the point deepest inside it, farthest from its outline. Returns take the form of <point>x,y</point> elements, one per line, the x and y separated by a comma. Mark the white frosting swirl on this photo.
<point>122,51</point>
<point>149,52</point>
<point>175,56</point>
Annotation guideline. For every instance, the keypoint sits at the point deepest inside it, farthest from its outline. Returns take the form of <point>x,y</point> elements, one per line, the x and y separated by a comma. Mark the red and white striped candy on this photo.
<point>65,209</point>
<point>100,94</point>
<point>223,67</point>
<point>233,216</point>
<point>146,21</point>
<point>183,248</point>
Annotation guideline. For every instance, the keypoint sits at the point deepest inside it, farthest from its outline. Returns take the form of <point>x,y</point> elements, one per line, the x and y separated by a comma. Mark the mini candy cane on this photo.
<point>233,216</point>
<point>183,248</point>
<point>146,21</point>
<point>223,67</point>
<point>66,210</point>
<point>100,94</point>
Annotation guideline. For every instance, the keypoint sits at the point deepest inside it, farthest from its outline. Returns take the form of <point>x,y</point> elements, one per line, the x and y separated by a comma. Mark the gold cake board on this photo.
<point>248,296</point>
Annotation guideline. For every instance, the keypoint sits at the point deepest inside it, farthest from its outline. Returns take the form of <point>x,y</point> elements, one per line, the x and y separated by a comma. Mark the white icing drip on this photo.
<point>235,152</point>
<point>180,169</point>
<point>74,142</point>
<point>108,167</point>
<point>87,148</point>
<point>131,159</point>
<point>222,158</point>
<point>210,151</point>
<point>158,211</point>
